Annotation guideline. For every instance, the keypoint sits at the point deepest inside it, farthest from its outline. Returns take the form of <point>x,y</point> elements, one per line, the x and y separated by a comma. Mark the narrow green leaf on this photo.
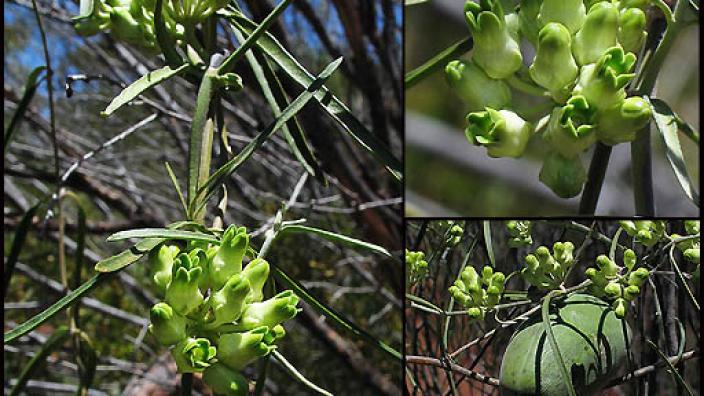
<point>30,88</point>
<point>334,107</point>
<point>438,61</point>
<point>142,84</point>
<point>16,248</point>
<point>332,315</point>
<point>487,240</point>
<point>666,122</point>
<point>614,244</point>
<point>54,342</point>
<point>198,154</point>
<point>177,187</point>
<point>253,37</point>
<point>671,369</point>
<point>291,369</point>
<point>127,257</point>
<point>334,237</point>
<point>48,313</point>
<point>553,344</point>
<point>294,136</point>
<point>414,2</point>
<point>161,233</point>
<point>224,171</point>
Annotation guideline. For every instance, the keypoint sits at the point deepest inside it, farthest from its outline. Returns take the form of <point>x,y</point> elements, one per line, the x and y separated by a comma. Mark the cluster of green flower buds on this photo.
<point>584,58</point>
<point>478,293</point>
<point>547,271</point>
<point>132,21</point>
<point>646,232</point>
<point>519,230</point>
<point>416,266</point>
<point>454,235</point>
<point>690,248</point>
<point>609,282</point>
<point>213,311</point>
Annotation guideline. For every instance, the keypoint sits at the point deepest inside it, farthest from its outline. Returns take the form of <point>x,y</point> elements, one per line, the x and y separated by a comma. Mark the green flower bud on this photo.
<point>553,66</point>
<point>124,26</point>
<point>613,289</point>
<point>631,292</point>
<point>497,280</point>
<point>257,272</point>
<point>569,13</point>
<point>620,123</point>
<point>602,83</point>
<point>528,19</point>
<point>646,232</point>
<point>191,12</point>
<point>222,380</point>
<point>532,263</point>
<point>459,296</point>
<point>596,277</point>
<point>269,312</point>
<point>570,129</point>
<point>487,274</point>
<point>161,261</point>
<point>564,176</point>
<point>495,50</point>
<point>692,255</point>
<point>638,277</point>
<point>619,307</point>
<point>562,251</point>
<point>469,277</point>
<point>227,260</point>
<point>237,350</point>
<point>625,4</point>
<point>503,133</point>
<point>193,354</point>
<point>631,30</point>
<point>229,302</point>
<point>629,226</point>
<point>475,88</point>
<point>167,326</point>
<point>183,293</point>
<point>691,226</point>
<point>629,259</point>
<point>607,266</point>
<point>598,34</point>
<point>475,313</point>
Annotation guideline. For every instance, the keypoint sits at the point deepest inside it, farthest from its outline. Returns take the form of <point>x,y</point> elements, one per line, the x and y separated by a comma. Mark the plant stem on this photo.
<point>595,179</point>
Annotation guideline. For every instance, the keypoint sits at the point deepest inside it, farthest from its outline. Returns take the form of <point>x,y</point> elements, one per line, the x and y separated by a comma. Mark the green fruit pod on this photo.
<point>591,341</point>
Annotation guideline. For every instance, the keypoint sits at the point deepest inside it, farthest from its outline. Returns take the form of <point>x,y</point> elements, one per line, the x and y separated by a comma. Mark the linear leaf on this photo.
<point>30,88</point>
<point>487,240</point>
<point>127,257</point>
<point>162,233</point>
<point>294,136</point>
<point>54,342</point>
<point>16,248</point>
<point>331,314</point>
<point>224,171</point>
<point>334,106</point>
<point>48,313</point>
<point>673,371</point>
<point>416,75</point>
<point>142,84</point>
<point>666,122</point>
<point>334,237</point>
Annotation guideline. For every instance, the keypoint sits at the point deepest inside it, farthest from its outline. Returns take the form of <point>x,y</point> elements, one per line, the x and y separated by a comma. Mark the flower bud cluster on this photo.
<point>690,248</point>
<point>609,281</point>
<point>478,293</point>
<point>213,311</point>
<point>132,21</point>
<point>519,230</point>
<point>646,232</point>
<point>547,271</point>
<point>455,235</point>
<point>416,266</point>
<point>585,56</point>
